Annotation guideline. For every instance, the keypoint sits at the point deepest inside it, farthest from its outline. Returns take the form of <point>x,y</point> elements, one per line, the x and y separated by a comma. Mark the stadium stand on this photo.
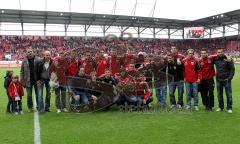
<point>16,45</point>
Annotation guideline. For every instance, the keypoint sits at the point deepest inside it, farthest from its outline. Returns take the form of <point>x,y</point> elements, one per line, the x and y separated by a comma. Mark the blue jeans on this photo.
<point>161,93</point>
<point>228,89</point>
<point>172,88</point>
<point>119,100</point>
<point>29,95</point>
<point>192,92</point>
<point>40,95</point>
<point>83,98</point>
<point>131,100</point>
<point>141,98</point>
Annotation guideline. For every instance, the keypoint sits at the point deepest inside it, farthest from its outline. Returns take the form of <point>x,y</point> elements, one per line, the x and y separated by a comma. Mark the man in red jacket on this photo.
<point>129,57</point>
<point>102,64</point>
<point>73,68</point>
<point>59,81</point>
<point>115,62</point>
<point>192,76</point>
<point>206,87</point>
<point>88,63</point>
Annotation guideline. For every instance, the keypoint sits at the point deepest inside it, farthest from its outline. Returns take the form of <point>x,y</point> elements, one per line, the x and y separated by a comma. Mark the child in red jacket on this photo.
<point>16,93</point>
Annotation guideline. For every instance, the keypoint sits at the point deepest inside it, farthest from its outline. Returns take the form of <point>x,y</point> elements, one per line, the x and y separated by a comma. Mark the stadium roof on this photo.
<point>224,19</point>
<point>29,16</point>
<point>47,17</point>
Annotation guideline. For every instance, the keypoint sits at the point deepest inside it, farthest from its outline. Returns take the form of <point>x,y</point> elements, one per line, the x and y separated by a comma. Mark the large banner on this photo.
<point>193,32</point>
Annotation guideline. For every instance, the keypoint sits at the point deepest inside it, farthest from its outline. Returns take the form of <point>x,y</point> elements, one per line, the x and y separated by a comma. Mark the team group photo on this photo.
<point>110,71</point>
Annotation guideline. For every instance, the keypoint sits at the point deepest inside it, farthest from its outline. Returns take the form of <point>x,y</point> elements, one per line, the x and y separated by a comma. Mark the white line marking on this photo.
<point>37,134</point>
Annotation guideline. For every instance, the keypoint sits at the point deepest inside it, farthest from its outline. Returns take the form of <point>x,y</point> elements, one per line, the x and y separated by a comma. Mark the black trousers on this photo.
<point>17,106</point>
<point>9,105</point>
<point>206,88</point>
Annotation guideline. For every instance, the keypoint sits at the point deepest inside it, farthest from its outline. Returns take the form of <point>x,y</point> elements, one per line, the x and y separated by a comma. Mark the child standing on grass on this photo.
<point>7,81</point>
<point>16,93</point>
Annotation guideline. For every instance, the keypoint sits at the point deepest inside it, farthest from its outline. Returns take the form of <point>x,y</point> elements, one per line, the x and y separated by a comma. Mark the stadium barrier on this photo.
<point>10,64</point>
<point>17,64</point>
<point>237,60</point>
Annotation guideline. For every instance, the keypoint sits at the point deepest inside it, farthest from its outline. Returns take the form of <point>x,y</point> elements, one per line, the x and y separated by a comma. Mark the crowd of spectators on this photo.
<point>16,45</point>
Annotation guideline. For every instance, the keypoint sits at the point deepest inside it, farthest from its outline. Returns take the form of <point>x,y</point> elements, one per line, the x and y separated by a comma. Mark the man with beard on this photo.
<point>28,77</point>
<point>175,69</point>
<point>225,72</point>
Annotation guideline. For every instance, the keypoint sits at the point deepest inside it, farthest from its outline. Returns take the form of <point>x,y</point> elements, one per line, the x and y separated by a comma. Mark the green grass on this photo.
<point>14,129</point>
<point>152,127</point>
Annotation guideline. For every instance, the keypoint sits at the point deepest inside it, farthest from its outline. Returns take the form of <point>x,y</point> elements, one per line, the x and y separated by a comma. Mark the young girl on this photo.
<point>8,79</point>
<point>16,92</point>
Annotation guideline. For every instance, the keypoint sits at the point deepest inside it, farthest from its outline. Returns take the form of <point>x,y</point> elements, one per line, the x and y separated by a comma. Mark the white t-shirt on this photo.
<point>46,65</point>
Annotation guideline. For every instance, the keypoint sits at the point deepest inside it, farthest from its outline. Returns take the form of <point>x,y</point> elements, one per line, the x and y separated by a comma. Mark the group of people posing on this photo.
<point>133,78</point>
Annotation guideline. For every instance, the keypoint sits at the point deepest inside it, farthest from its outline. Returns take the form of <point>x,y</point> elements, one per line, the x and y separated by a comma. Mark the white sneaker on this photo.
<point>188,107</point>
<point>58,110</point>
<point>65,110</point>
<point>179,106</point>
<point>172,106</point>
<point>15,113</point>
<point>30,110</point>
<point>150,105</point>
<point>196,108</point>
<point>229,111</point>
<point>21,112</point>
<point>219,110</point>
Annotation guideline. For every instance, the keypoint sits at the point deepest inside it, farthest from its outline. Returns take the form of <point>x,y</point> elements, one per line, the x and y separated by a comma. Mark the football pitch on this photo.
<point>156,126</point>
